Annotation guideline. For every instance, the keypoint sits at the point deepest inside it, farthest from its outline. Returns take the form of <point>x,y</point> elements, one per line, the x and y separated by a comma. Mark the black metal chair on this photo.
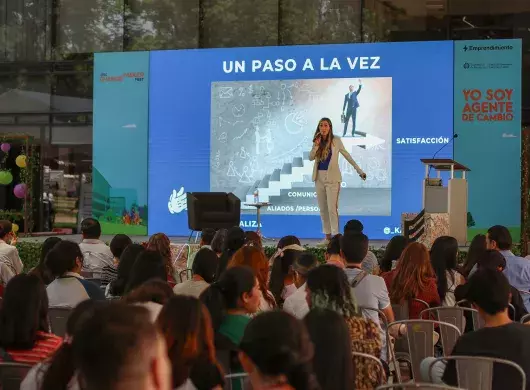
<point>214,210</point>
<point>12,375</point>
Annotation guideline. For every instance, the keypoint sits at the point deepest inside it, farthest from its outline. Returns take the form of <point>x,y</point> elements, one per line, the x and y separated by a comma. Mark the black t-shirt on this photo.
<point>509,342</point>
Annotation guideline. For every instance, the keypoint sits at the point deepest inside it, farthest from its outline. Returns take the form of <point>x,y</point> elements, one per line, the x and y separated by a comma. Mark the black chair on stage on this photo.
<point>214,210</point>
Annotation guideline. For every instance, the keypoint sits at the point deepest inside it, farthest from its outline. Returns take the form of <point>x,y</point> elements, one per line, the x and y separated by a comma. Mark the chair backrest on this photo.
<point>451,315</point>
<point>417,386</point>
<point>401,310</point>
<point>420,340</point>
<point>12,375</point>
<point>525,318</point>
<point>381,370</point>
<point>58,318</point>
<point>478,322</point>
<point>476,372</point>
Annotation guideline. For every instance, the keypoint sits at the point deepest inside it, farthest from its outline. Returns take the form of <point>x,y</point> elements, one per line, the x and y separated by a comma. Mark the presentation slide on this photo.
<point>242,120</point>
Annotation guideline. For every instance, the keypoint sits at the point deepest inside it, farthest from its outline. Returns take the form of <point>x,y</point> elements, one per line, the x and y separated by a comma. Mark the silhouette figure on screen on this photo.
<point>349,109</point>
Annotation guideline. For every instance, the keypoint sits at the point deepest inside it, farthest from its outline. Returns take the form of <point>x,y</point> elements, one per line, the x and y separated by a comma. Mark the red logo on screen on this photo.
<point>106,78</point>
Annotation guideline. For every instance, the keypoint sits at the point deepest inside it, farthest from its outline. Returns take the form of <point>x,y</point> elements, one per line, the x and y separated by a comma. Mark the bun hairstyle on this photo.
<point>278,345</point>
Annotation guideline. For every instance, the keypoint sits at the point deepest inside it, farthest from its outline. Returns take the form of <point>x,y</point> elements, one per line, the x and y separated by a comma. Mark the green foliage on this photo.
<point>29,252</point>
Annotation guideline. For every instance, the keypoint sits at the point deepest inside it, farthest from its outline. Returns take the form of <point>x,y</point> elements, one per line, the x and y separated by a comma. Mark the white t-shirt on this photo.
<point>296,304</point>
<point>370,263</point>
<point>450,299</point>
<point>192,288</point>
<point>288,291</point>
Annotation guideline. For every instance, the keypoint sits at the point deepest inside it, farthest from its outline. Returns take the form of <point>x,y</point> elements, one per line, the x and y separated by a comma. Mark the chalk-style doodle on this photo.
<point>239,110</point>
<point>240,136</point>
<point>222,137</point>
<point>241,91</point>
<point>226,92</point>
<point>295,122</point>
<point>222,120</point>
<point>231,170</point>
<point>243,153</point>
<point>245,178</point>
<point>257,136</point>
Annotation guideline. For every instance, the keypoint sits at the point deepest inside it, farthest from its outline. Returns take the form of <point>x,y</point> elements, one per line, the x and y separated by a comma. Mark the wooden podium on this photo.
<point>450,199</point>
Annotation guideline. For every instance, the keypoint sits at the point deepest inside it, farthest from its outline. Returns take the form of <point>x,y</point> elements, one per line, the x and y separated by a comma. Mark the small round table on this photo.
<point>258,206</point>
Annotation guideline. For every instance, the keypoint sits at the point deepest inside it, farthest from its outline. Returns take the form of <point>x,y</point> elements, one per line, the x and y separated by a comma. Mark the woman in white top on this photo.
<point>204,267</point>
<point>444,252</point>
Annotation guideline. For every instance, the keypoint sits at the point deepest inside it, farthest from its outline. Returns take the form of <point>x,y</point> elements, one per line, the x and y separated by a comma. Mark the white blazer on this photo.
<point>334,174</point>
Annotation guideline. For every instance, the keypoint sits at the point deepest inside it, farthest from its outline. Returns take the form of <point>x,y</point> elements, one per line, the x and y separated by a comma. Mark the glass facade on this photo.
<point>47,46</point>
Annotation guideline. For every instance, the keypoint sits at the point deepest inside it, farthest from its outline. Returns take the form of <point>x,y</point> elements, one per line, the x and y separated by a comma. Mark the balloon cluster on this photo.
<point>6,177</point>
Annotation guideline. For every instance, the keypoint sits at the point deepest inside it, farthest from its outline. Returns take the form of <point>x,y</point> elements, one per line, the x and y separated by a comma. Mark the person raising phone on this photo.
<point>327,176</point>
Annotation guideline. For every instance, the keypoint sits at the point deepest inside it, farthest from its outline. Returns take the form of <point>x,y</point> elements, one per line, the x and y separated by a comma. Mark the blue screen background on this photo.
<point>179,122</point>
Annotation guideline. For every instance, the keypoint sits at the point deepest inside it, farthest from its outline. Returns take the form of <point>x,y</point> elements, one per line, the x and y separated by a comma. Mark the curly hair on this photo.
<point>160,242</point>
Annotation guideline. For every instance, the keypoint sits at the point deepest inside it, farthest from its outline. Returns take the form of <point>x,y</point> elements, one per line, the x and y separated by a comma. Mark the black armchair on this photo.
<point>214,210</point>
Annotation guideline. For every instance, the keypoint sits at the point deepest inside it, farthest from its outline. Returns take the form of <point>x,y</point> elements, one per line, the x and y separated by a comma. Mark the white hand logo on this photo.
<point>177,201</point>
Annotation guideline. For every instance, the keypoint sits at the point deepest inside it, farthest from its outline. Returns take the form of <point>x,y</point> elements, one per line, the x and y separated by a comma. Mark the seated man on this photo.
<point>489,292</point>
<point>369,263</point>
<point>10,263</point>
<point>96,253</point>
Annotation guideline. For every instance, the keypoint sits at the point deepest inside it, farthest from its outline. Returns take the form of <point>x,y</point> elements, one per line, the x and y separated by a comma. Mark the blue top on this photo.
<point>518,274</point>
<point>323,165</point>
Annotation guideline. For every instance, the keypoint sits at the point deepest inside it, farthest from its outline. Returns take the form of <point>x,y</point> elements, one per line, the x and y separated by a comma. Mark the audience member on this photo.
<point>207,235</point>
<point>476,250</point>
<point>328,288</point>
<point>65,262</point>
<point>41,270</point>
<point>370,290</point>
<point>10,263</point>
<point>254,258</point>
<point>444,253</point>
<point>186,325</point>
<point>288,241</point>
<point>332,255</point>
<point>393,252</point>
<point>125,265</point>
<point>296,304</point>
<point>230,301</point>
<point>119,348</point>
<point>332,360</point>
<point>148,265</point>
<point>160,243</point>
<point>95,252</point>
<point>117,246</point>
<point>281,283</point>
<point>517,268</point>
<point>235,239</point>
<point>204,267</point>
<point>413,278</point>
<point>276,352</point>
<point>489,292</point>
<point>369,263</point>
<point>24,325</point>
<point>218,241</point>
<point>152,294</point>
<point>492,259</point>
<point>253,239</point>
<point>58,373</point>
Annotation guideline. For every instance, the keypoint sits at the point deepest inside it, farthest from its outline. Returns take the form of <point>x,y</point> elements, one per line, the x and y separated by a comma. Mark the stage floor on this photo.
<point>181,240</point>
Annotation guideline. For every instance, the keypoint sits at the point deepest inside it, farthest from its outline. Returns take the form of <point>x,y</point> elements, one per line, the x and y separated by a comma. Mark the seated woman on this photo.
<point>444,253</point>
<point>160,243</point>
<point>65,262</point>
<point>109,273</point>
<point>413,278</point>
<point>117,287</point>
<point>148,265</point>
<point>152,294</point>
<point>281,282</point>
<point>41,270</point>
<point>332,361</point>
<point>254,258</point>
<point>187,328</point>
<point>393,252</point>
<point>58,372</point>
<point>24,324</point>
<point>332,254</point>
<point>235,239</point>
<point>203,267</point>
<point>276,352</point>
<point>328,288</point>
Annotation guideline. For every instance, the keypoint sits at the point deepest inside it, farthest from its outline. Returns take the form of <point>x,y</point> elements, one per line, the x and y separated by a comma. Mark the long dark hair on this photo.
<point>127,259</point>
<point>235,239</point>
<point>148,265</point>
<point>332,362</point>
<point>24,312</point>
<point>278,344</point>
<point>281,267</point>
<point>477,249</point>
<point>225,294</point>
<point>393,251</point>
<point>41,270</point>
<point>58,374</point>
<point>443,259</point>
<point>187,327</point>
<point>325,144</point>
<point>330,289</point>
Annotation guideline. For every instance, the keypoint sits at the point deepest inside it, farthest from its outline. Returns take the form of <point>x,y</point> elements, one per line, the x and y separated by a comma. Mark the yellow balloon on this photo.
<point>15,228</point>
<point>21,161</point>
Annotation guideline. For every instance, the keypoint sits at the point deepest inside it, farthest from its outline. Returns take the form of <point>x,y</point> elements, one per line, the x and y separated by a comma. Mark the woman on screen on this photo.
<point>326,174</point>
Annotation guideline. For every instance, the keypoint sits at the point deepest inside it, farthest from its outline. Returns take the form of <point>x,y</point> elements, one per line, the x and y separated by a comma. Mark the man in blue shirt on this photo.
<point>517,268</point>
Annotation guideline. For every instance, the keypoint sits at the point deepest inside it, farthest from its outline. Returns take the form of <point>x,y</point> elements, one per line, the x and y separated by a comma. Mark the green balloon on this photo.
<point>5,177</point>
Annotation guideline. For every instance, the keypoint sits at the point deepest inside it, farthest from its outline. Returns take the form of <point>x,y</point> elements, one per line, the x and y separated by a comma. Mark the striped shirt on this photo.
<point>109,274</point>
<point>44,347</point>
